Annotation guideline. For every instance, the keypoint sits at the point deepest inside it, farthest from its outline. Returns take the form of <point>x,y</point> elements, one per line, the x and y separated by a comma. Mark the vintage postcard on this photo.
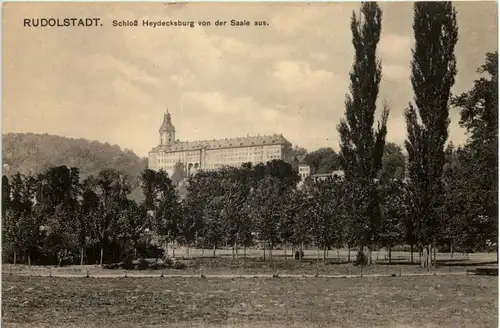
<point>250,164</point>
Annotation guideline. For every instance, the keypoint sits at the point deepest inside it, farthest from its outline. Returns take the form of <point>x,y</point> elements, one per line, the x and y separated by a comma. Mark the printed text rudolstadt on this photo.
<point>63,22</point>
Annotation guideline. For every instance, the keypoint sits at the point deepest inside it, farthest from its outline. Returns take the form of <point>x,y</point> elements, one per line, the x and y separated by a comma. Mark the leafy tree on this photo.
<point>433,75</point>
<point>283,172</point>
<point>135,223</point>
<point>213,230</point>
<point>323,160</point>
<point>168,211</point>
<point>57,195</point>
<point>393,162</point>
<point>266,201</point>
<point>393,212</point>
<point>179,174</point>
<point>61,233</point>
<point>23,219</point>
<point>298,153</point>
<point>5,195</point>
<point>111,188</point>
<point>362,147</point>
<point>148,181</point>
<point>479,115</point>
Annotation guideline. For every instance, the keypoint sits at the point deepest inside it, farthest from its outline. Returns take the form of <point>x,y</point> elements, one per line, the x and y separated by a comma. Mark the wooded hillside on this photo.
<point>34,153</point>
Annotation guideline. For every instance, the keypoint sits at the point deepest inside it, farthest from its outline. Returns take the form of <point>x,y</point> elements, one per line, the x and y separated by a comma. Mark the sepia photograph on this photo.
<point>246,164</point>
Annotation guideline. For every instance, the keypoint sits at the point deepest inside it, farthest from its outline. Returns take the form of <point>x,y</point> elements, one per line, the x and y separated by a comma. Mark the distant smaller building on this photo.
<point>324,176</point>
<point>304,171</point>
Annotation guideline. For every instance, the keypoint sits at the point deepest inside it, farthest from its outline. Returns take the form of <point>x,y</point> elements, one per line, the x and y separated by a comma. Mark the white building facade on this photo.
<point>216,153</point>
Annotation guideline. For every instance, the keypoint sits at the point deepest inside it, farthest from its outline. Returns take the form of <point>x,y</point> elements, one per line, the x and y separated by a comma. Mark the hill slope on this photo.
<point>33,153</point>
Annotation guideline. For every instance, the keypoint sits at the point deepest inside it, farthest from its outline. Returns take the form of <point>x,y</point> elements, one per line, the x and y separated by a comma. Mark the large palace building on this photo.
<point>216,153</point>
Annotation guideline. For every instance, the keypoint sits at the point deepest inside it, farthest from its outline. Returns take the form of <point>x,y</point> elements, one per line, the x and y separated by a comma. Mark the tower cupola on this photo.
<point>167,130</point>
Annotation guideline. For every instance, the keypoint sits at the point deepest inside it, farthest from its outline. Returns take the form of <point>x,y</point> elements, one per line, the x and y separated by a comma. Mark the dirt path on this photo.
<point>232,276</point>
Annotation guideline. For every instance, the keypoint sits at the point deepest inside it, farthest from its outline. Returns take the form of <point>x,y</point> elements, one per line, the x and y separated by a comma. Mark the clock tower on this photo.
<point>167,131</point>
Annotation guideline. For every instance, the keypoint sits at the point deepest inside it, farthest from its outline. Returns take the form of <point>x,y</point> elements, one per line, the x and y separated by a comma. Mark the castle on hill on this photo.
<point>216,153</point>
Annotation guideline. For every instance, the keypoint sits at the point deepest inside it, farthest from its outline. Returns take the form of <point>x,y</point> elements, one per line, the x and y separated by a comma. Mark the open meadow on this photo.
<point>433,301</point>
<point>224,264</point>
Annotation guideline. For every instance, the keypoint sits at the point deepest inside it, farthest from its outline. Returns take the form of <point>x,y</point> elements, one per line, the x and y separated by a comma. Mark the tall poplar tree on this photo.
<point>5,195</point>
<point>361,145</point>
<point>433,75</point>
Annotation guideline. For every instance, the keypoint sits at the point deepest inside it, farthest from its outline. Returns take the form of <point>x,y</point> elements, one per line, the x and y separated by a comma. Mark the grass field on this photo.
<point>452,301</point>
<point>224,264</point>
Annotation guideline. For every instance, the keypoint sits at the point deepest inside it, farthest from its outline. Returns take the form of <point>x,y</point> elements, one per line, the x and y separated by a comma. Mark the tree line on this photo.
<point>441,198</point>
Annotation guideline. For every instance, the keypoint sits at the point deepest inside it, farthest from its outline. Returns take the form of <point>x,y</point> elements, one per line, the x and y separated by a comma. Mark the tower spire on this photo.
<point>167,130</point>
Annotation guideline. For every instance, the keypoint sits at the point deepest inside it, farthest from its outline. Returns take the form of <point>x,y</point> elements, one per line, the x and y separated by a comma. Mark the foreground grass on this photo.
<point>453,301</point>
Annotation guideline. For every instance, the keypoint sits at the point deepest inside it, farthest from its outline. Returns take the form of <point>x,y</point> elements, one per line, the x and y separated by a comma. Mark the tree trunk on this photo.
<point>214,250</point>
<point>271,253</point>
<point>233,251</point>
<point>348,254</point>
<point>29,260</point>
<point>286,260</point>
<point>301,250</point>
<point>497,251</point>
<point>324,253</point>
<point>236,249</point>
<point>390,254</point>
<point>317,261</point>
<point>102,254</point>
<point>426,256</point>
<point>411,253</point>
<point>202,250</point>
<point>451,249</point>
<point>264,252</point>
<point>15,257</point>
<point>338,254</point>
<point>173,251</point>
<point>435,256</point>
<point>81,255</point>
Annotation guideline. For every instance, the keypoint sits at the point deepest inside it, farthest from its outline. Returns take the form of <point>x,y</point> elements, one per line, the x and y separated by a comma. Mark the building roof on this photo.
<point>338,173</point>
<point>252,141</point>
<point>167,123</point>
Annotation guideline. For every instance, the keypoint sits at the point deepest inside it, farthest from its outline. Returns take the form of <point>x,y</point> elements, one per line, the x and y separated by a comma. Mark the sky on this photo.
<point>113,84</point>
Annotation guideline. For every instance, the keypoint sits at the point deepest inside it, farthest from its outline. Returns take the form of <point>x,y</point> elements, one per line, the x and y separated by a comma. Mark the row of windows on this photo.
<point>225,152</point>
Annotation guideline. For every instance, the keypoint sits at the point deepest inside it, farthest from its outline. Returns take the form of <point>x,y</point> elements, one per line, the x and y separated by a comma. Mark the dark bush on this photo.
<point>361,259</point>
<point>143,264</point>
<point>179,265</point>
<point>299,255</point>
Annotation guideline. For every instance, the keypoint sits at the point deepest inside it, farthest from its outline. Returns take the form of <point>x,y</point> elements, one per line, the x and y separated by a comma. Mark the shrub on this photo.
<point>361,259</point>
<point>179,265</point>
<point>143,264</point>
